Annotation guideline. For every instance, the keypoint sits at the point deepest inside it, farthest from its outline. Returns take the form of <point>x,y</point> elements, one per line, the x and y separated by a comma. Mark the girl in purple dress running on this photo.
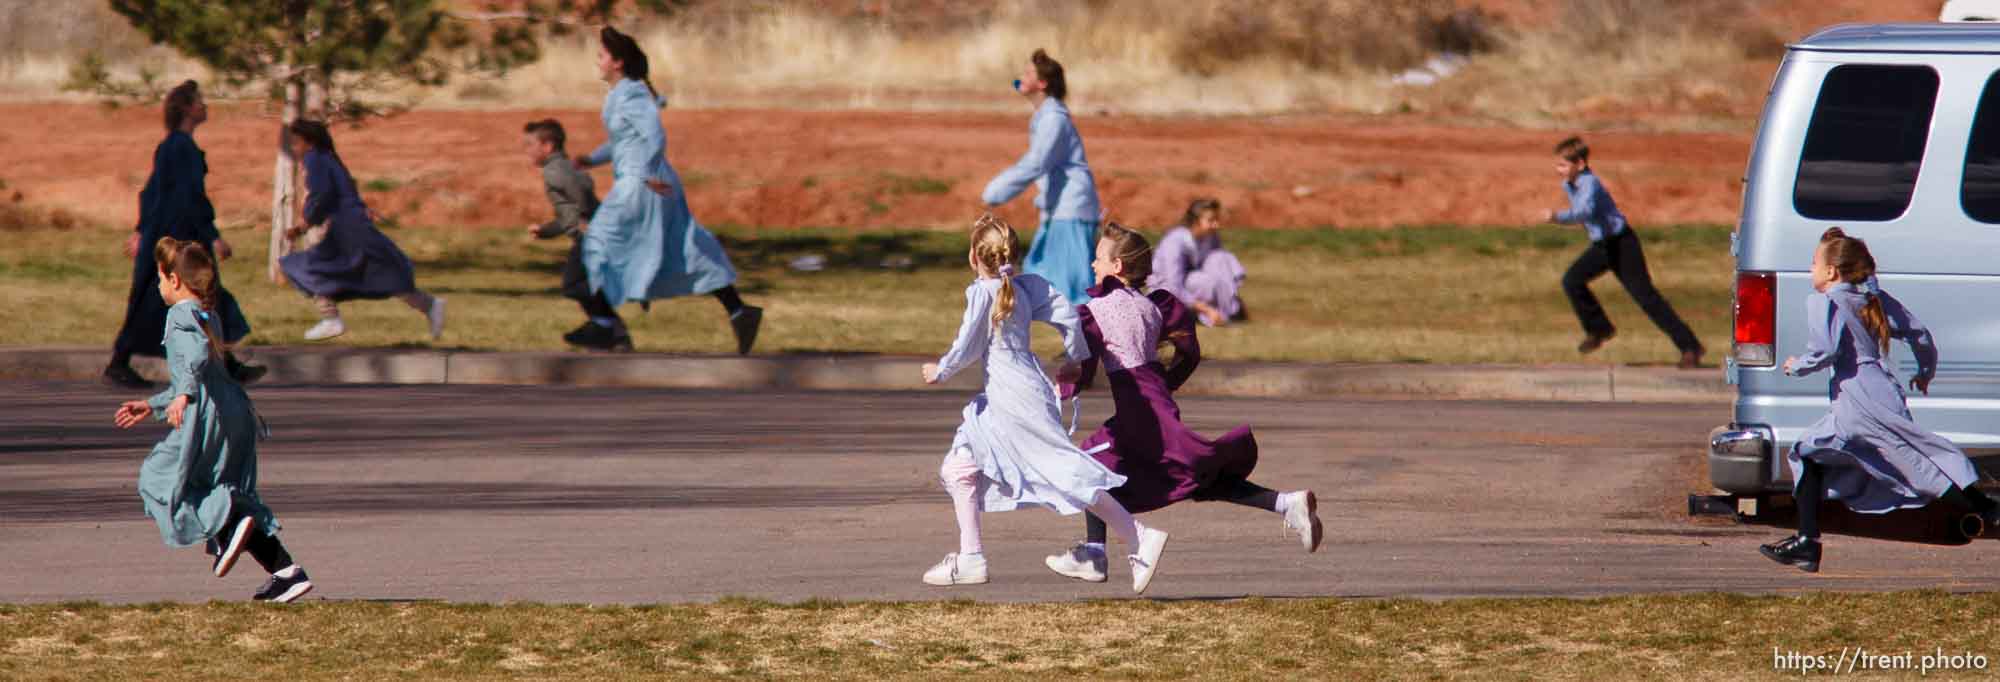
<point>1162,460</point>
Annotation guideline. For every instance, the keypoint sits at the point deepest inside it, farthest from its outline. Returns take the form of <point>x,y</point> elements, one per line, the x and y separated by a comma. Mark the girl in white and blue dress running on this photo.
<point>1868,451</point>
<point>200,482</point>
<point>1011,450</point>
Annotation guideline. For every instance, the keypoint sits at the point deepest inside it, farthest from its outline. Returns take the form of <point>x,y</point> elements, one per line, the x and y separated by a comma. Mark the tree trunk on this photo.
<point>284,180</point>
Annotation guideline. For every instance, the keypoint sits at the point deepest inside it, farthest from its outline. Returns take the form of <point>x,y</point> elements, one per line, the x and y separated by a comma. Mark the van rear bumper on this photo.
<point>1739,458</point>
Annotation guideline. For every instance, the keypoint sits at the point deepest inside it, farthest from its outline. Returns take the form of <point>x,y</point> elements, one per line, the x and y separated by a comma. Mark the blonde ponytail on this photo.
<point>1003,302</point>
<point>994,244</point>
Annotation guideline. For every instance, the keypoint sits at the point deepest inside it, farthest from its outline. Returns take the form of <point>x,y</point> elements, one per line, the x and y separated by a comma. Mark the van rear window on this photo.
<point>1980,192</point>
<point>1865,142</point>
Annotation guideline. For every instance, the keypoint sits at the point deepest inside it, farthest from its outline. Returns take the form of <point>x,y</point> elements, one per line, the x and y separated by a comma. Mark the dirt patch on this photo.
<point>877,169</point>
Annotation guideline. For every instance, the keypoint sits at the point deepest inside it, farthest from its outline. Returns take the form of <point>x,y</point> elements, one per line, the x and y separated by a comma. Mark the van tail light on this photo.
<point>1756,316</point>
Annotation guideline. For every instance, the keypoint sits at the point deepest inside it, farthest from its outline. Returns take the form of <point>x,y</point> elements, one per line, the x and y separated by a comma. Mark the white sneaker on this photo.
<point>1080,562</point>
<point>957,570</point>
<point>436,316</point>
<point>1152,542</point>
<point>326,329</point>
<point>1302,517</point>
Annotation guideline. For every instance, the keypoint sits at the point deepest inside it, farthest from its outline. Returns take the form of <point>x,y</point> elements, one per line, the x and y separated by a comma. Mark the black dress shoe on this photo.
<point>1797,551</point>
<point>122,376</point>
<point>599,337</point>
<point>246,374</point>
<point>1593,342</point>
<point>1691,359</point>
<point>745,324</point>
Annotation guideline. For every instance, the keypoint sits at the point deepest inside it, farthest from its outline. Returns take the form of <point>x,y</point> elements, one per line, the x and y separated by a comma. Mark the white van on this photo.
<point>1891,132</point>
<point>1970,10</point>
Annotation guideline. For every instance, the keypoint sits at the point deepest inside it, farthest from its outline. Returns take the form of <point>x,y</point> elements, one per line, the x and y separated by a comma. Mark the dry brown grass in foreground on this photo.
<point>1653,637</point>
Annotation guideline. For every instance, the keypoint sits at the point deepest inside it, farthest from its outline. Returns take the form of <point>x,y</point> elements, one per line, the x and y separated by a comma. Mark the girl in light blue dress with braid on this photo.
<point>1055,164</point>
<point>1868,452</point>
<point>1012,450</point>
<point>200,482</point>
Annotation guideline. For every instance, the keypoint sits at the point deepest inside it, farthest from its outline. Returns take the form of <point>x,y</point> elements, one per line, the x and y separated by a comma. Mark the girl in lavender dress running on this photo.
<point>1868,451</point>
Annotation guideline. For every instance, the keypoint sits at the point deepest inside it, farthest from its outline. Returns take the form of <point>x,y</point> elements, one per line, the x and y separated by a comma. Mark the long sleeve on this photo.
<point>187,357</point>
<point>975,331</point>
<point>1171,262</point>
<point>1034,165</point>
<point>321,196</point>
<point>1821,342</point>
<point>638,144</point>
<point>201,212</point>
<point>1904,325</point>
<point>1054,310</point>
<point>599,156</point>
<point>567,196</point>
<point>175,207</point>
<point>1177,327</point>
<point>205,213</point>
<point>149,198</point>
<point>1582,202</point>
<point>1087,373</point>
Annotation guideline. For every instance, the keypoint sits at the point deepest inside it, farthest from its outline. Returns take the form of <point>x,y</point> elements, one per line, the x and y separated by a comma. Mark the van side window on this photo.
<point>1980,193</point>
<point>1865,142</point>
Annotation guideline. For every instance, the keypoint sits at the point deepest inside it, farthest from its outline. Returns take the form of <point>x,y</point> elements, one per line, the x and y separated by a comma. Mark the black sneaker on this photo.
<point>745,322</point>
<point>122,376</point>
<point>284,590</point>
<point>229,544</point>
<point>1794,551</point>
<point>599,337</point>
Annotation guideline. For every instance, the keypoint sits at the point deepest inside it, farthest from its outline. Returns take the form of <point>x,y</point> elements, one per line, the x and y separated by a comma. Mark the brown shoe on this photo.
<point>1691,359</point>
<point>1593,342</point>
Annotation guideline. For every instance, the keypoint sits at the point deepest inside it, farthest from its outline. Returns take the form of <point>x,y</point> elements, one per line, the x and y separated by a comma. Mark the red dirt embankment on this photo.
<point>883,169</point>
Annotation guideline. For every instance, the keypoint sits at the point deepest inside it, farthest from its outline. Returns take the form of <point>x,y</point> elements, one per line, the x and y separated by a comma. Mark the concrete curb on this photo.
<point>338,365</point>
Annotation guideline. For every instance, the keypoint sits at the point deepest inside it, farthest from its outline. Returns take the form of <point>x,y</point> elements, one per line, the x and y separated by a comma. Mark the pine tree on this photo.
<point>333,60</point>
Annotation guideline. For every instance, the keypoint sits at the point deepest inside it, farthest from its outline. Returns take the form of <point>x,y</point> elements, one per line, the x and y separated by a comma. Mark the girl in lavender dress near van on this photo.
<point>1162,459</point>
<point>1011,450</point>
<point>1867,452</point>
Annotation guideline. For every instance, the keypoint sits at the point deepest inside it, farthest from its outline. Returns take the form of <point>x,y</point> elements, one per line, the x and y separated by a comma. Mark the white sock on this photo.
<point>1097,547</point>
<point>973,559</point>
<point>288,572</point>
<point>1284,505</point>
<point>605,322</point>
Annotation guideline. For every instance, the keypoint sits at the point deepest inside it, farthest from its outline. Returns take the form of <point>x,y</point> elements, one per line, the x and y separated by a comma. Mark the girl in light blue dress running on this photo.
<point>199,484</point>
<point>1012,450</point>
<point>1056,166</point>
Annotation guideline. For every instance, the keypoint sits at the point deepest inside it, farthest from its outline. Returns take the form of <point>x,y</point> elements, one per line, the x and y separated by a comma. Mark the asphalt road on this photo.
<point>591,495</point>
